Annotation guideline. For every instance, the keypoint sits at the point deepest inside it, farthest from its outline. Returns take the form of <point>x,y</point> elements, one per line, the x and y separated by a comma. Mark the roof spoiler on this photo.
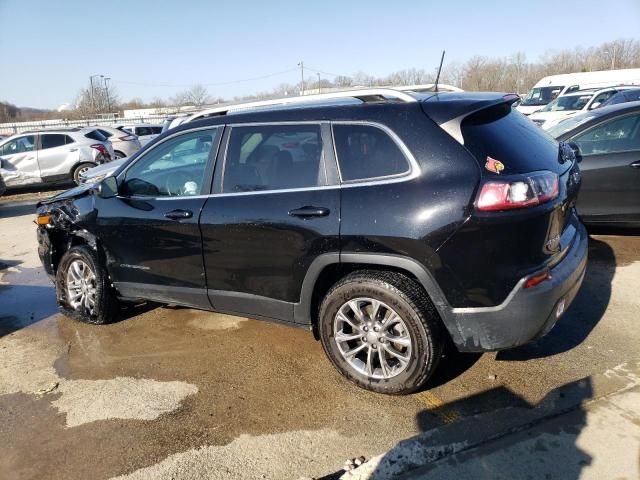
<point>450,109</point>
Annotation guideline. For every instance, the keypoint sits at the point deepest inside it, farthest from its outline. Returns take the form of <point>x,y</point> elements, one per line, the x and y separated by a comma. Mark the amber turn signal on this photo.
<point>42,220</point>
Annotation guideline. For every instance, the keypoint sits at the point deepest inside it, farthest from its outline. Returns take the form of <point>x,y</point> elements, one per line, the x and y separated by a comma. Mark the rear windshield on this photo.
<point>501,133</point>
<point>96,135</point>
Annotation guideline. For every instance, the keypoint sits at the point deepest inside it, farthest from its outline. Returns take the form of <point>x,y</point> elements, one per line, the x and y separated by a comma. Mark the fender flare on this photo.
<point>303,308</point>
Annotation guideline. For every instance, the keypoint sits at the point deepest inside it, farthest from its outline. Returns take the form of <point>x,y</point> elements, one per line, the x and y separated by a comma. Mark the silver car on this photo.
<point>144,131</point>
<point>124,144</point>
<point>52,156</point>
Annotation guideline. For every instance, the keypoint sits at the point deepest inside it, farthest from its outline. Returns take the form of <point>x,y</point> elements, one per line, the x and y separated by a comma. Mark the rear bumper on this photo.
<point>526,314</point>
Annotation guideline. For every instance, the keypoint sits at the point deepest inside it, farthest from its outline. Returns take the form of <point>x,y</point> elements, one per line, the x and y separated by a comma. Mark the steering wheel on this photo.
<point>176,182</point>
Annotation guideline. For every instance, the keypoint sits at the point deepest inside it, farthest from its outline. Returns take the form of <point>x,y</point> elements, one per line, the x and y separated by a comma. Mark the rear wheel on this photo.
<point>80,169</point>
<point>380,330</point>
<point>83,288</point>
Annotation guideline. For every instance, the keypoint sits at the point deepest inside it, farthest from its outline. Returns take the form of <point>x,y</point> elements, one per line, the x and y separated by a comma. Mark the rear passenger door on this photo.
<point>610,170</point>
<point>276,208</point>
<point>57,155</point>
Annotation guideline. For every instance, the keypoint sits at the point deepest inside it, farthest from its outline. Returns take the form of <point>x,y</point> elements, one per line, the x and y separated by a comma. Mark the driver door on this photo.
<point>150,231</point>
<point>19,161</point>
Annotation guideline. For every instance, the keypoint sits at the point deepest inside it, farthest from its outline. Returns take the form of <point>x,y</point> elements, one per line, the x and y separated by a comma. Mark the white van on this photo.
<point>553,86</point>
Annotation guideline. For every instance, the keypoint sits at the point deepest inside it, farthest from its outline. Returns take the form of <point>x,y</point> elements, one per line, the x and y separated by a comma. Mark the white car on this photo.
<point>52,156</point>
<point>144,131</point>
<point>571,104</point>
<point>124,144</point>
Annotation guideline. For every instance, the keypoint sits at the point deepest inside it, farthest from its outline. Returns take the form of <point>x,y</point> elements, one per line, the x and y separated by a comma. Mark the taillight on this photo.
<point>525,191</point>
<point>101,148</point>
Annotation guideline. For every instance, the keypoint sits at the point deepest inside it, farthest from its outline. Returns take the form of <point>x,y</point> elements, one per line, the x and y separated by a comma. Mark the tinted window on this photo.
<point>142,131</point>
<point>174,168</point>
<point>51,140</point>
<point>96,135</point>
<point>618,135</point>
<point>156,130</point>
<point>508,136</point>
<point>105,133</point>
<point>365,151</point>
<point>273,157</point>
<point>601,98</point>
<point>19,145</point>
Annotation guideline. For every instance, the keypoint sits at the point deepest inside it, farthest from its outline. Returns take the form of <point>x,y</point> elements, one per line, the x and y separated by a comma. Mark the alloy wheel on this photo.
<point>81,287</point>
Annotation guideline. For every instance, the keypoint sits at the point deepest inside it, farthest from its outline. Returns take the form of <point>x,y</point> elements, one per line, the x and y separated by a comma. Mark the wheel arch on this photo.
<point>329,268</point>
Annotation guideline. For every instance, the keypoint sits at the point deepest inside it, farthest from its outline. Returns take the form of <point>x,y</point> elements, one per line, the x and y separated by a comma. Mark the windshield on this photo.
<point>569,102</point>
<point>541,95</point>
<point>568,124</point>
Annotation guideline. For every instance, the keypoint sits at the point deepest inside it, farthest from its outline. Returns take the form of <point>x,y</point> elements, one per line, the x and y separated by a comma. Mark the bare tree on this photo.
<point>196,95</point>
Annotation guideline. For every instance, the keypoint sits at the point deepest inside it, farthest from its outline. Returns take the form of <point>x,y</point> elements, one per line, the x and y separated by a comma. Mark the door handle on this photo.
<point>308,211</point>
<point>635,164</point>
<point>179,214</point>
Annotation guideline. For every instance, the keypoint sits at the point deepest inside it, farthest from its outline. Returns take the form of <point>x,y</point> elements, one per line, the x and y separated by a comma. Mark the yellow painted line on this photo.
<point>432,402</point>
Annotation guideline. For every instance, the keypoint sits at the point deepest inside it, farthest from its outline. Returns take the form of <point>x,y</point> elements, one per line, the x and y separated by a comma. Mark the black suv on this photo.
<point>383,221</point>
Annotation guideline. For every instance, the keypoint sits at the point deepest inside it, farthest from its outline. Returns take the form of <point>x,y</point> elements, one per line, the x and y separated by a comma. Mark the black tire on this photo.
<point>105,305</point>
<point>414,307</point>
<point>118,155</point>
<point>78,169</point>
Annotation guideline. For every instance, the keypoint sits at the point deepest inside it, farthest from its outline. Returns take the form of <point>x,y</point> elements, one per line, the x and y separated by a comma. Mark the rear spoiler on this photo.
<point>449,109</point>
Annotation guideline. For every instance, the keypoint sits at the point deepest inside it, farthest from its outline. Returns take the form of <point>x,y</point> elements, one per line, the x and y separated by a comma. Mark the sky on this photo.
<point>49,48</point>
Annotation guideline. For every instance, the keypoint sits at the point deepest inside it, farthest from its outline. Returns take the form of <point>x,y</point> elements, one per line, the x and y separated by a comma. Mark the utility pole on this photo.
<point>301,65</point>
<point>106,90</point>
<point>93,105</point>
<point>319,90</point>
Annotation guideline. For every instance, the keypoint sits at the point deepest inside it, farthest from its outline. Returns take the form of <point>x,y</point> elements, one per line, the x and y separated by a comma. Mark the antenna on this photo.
<point>435,87</point>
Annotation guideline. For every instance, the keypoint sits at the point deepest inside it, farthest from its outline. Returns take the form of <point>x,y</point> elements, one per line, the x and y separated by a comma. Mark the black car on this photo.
<point>384,222</point>
<point>608,140</point>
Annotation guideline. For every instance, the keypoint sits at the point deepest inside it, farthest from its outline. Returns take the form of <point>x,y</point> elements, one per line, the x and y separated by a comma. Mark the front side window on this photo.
<point>366,152</point>
<point>176,167</point>
<point>273,157</point>
<point>618,135</point>
<point>51,140</point>
<point>19,145</point>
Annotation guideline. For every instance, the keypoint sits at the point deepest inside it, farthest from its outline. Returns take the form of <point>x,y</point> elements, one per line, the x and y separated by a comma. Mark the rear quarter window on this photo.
<point>96,135</point>
<point>506,135</point>
<point>367,152</point>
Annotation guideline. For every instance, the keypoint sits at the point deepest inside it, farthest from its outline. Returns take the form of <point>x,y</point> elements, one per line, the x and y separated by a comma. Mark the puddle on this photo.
<point>215,321</point>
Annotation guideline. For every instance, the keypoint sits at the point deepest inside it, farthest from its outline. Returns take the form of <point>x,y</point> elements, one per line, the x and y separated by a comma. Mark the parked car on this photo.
<point>630,95</point>
<point>571,104</point>
<point>608,140</point>
<point>52,156</point>
<point>384,225</point>
<point>549,88</point>
<point>144,131</point>
<point>124,144</point>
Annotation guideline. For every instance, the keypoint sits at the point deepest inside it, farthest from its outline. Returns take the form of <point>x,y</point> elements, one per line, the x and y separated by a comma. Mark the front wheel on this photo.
<point>83,288</point>
<point>119,154</point>
<point>380,330</point>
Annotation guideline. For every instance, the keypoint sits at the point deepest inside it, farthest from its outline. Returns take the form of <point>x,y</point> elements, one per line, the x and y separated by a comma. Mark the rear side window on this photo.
<point>367,152</point>
<point>105,133</point>
<point>156,130</point>
<point>273,157</point>
<point>51,140</point>
<point>96,135</point>
<point>618,135</point>
<point>142,131</point>
<point>506,135</point>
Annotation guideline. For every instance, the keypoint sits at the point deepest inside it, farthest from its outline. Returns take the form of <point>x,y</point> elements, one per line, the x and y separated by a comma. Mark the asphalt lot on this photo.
<point>171,392</point>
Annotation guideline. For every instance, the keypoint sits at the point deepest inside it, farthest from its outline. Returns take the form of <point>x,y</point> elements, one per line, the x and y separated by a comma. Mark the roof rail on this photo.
<point>364,94</point>
<point>429,87</point>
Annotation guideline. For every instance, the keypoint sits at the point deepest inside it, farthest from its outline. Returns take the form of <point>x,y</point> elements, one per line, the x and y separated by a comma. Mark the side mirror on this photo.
<point>595,105</point>
<point>107,188</point>
<point>576,150</point>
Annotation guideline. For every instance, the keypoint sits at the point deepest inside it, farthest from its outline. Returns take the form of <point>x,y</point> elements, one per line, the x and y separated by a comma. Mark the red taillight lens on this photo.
<point>537,279</point>
<point>526,191</point>
<point>101,148</point>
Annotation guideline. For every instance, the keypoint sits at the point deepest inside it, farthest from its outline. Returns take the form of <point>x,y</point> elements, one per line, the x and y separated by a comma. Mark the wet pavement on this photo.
<point>174,386</point>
